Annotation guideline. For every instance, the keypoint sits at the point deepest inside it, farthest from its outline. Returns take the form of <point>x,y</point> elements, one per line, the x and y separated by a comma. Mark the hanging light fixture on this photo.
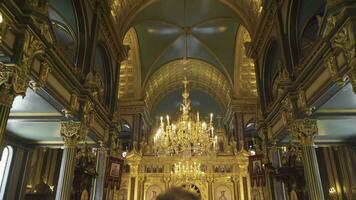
<point>189,136</point>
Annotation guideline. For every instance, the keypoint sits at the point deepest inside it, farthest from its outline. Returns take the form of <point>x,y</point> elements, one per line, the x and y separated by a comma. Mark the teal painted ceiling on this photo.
<point>63,12</point>
<point>200,101</point>
<point>35,119</point>
<point>32,104</point>
<point>343,99</point>
<point>173,29</point>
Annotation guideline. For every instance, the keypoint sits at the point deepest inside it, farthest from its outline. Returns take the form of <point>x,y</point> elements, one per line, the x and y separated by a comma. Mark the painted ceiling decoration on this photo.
<point>175,29</point>
<point>130,76</point>
<point>201,75</point>
<point>167,31</point>
<point>124,11</point>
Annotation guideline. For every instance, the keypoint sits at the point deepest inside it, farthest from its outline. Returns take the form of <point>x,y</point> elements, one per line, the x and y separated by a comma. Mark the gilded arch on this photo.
<point>200,74</point>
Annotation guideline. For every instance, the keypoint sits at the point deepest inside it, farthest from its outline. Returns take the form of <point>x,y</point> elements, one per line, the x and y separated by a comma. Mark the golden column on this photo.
<point>210,181</point>
<point>72,132</point>
<point>306,130</point>
<point>133,159</point>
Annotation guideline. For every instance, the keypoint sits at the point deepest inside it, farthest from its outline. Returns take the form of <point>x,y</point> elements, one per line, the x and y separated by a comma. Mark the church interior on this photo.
<point>226,99</point>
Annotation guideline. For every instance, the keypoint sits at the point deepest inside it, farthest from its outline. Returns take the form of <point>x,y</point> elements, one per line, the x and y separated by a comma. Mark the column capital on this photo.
<point>13,81</point>
<point>235,179</point>
<point>71,132</point>
<point>210,179</point>
<point>305,130</point>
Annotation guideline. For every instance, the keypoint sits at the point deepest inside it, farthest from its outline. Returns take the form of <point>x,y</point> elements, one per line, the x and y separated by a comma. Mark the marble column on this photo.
<point>306,130</point>
<point>71,133</point>
<point>101,165</point>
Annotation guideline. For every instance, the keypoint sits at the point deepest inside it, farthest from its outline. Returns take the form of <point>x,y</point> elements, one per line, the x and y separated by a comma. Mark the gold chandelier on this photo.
<point>187,137</point>
<point>187,170</point>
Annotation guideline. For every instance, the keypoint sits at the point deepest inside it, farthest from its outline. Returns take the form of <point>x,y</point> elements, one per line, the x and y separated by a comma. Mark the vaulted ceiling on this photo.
<point>168,30</point>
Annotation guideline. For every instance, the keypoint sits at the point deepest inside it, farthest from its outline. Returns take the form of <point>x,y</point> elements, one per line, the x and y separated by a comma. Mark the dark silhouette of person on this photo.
<point>177,194</point>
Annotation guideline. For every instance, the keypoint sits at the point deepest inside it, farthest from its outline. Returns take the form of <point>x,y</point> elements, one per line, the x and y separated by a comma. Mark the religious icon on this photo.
<point>223,192</point>
<point>115,170</point>
<point>257,167</point>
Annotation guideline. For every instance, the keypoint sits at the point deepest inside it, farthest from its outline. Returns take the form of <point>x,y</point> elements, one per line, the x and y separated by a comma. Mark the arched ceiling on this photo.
<point>124,11</point>
<point>174,29</point>
<point>201,75</point>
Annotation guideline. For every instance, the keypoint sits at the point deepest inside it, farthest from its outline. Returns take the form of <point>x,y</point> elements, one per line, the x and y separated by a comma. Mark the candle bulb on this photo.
<point>211,117</point>
<point>197,116</point>
<point>161,120</point>
<point>204,126</point>
<point>167,120</point>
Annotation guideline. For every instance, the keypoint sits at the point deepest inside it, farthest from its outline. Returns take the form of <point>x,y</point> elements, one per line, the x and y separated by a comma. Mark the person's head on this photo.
<point>177,194</point>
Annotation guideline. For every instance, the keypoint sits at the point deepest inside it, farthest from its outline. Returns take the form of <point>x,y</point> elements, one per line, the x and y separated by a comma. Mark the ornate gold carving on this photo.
<point>352,76</point>
<point>331,65</point>
<point>302,103</point>
<point>203,75</point>
<point>130,77</point>
<point>330,25</point>
<point>71,132</point>
<point>287,110</point>
<point>94,82</point>
<point>13,81</point>
<point>88,114</point>
<point>45,69</point>
<point>245,77</point>
<point>344,39</point>
<point>6,73</point>
<point>305,130</point>
<point>73,106</point>
<point>15,78</point>
<point>281,82</point>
